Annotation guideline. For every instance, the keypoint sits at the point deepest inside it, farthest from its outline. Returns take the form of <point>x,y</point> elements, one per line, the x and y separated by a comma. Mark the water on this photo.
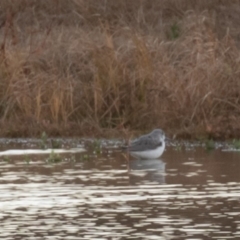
<point>188,194</point>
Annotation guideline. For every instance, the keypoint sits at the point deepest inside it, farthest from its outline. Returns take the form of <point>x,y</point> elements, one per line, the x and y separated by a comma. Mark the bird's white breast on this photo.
<point>149,154</point>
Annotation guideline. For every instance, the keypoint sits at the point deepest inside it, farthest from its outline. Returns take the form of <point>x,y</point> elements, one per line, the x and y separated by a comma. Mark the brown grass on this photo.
<point>75,67</point>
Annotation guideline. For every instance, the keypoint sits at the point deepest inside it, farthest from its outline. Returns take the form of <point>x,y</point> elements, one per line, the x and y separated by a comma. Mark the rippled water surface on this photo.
<point>188,194</point>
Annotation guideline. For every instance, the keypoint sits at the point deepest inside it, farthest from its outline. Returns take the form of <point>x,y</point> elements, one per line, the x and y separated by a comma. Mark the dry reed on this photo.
<point>81,67</point>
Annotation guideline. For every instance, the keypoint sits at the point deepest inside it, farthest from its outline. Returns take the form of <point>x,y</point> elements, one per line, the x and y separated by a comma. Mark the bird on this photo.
<point>149,146</point>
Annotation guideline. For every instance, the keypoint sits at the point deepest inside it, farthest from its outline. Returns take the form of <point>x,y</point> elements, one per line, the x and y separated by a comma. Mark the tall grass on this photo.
<point>79,67</point>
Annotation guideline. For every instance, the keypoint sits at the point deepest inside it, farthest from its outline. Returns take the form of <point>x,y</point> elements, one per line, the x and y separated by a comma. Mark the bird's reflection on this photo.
<point>149,170</point>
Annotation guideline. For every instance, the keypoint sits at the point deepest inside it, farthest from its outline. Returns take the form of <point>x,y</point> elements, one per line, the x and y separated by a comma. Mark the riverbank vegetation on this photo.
<point>82,68</point>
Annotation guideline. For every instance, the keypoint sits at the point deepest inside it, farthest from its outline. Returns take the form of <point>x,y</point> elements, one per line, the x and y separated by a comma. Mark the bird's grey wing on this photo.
<point>144,143</point>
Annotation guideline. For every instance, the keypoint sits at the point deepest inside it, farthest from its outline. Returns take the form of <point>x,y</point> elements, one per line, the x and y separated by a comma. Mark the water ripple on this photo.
<point>160,199</point>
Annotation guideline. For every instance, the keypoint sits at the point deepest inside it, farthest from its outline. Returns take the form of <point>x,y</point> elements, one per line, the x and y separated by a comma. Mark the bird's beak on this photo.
<point>168,139</point>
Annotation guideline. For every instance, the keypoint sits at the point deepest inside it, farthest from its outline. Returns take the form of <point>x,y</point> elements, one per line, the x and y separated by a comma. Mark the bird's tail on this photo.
<point>125,148</point>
